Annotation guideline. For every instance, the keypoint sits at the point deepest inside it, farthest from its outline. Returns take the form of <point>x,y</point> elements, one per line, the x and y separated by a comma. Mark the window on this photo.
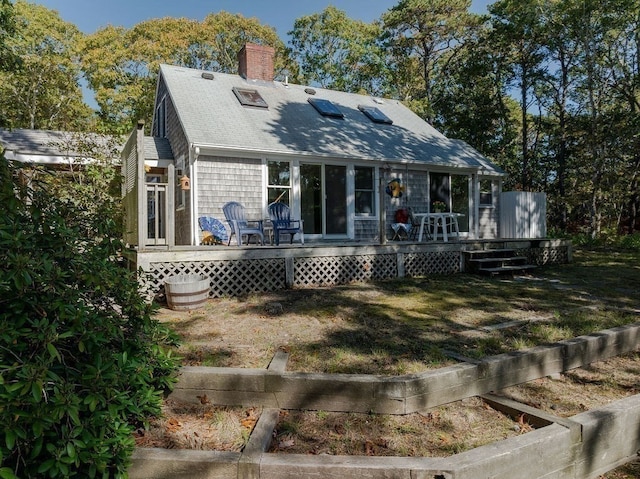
<point>248,97</point>
<point>278,181</point>
<point>326,108</point>
<point>161,119</point>
<point>364,191</point>
<point>486,193</point>
<point>375,115</point>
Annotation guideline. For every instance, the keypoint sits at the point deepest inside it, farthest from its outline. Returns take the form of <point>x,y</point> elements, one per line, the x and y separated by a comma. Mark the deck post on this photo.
<point>289,272</point>
<point>400,262</point>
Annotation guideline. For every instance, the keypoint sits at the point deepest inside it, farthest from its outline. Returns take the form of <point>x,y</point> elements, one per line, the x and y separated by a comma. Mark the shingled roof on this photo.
<point>157,148</point>
<point>212,116</point>
<point>49,146</point>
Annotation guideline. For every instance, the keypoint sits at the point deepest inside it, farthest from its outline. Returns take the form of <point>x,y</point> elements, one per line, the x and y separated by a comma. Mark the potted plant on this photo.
<point>439,206</point>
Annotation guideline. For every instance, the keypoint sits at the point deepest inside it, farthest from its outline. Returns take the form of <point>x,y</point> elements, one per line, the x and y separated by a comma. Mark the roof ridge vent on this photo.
<point>310,91</point>
<point>207,75</point>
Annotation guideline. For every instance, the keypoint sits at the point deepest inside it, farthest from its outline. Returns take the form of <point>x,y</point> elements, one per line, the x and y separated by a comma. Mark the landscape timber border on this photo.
<point>581,447</point>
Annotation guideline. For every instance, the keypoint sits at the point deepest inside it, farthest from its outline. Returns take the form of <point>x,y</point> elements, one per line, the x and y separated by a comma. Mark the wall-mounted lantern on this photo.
<point>185,183</point>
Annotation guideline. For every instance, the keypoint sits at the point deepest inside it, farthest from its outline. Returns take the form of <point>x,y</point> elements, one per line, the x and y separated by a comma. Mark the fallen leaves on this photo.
<point>250,420</point>
<point>199,425</point>
<point>524,425</point>
<point>286,442</point>
<point>173,425</point>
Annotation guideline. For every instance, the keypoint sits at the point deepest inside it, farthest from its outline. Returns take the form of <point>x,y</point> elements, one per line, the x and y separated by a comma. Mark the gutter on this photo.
<point>211,150</point>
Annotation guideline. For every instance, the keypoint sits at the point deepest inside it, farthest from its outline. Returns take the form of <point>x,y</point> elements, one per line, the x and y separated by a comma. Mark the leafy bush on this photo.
<point>631,242</point>
<point>82,361</point>
<point>622,242</point>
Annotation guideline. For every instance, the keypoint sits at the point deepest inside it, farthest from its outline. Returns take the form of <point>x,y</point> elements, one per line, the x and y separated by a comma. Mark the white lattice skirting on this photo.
<point>239,271</point>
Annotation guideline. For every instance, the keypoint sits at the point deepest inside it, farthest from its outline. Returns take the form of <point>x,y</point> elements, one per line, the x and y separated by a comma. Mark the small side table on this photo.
<point>267,229</point>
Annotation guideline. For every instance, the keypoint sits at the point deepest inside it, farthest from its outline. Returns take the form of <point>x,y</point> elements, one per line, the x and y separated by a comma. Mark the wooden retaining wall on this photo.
<point>581,447</point>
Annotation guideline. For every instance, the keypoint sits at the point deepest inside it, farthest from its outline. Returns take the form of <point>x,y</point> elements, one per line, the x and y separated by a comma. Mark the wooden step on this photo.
<point>497,253</point>
<point>496,261</point>
<point>506,269</point>
<point>496,250</point>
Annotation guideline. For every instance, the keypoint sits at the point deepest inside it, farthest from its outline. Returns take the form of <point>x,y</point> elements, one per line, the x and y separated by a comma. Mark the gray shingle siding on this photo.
<point>180,147</point>
<point>366,230</point>
<point>221,180</point>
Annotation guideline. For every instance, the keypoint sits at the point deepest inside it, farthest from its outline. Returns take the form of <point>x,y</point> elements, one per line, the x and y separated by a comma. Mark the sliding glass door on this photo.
<point>323,199</point>
<point>453,191</point>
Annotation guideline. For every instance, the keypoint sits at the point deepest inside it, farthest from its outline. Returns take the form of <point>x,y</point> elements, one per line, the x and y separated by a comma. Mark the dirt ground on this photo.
<point>399,328</point>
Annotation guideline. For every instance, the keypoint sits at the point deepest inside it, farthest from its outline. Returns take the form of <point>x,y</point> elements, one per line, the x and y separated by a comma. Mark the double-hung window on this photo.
<point>364,191</point>
<point>486,193</point>
<point>161,119</point>
<point>279,182</point>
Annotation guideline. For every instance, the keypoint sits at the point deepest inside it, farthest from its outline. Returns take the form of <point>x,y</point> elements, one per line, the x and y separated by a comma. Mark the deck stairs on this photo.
<point>496,261</point>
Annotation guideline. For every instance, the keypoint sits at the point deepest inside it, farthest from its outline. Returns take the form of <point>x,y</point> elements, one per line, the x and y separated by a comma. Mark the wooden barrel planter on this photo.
<point>186,291</point>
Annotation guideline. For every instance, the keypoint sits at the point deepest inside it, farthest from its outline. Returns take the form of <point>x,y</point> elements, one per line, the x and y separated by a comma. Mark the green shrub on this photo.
<point>630,242</point>
<point>82,361</point>
<point>625,242</point>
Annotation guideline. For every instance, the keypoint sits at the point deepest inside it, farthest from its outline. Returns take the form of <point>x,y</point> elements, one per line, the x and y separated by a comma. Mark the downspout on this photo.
<point>194,153</point>
<point>475,226</point>
<point>382,209</point>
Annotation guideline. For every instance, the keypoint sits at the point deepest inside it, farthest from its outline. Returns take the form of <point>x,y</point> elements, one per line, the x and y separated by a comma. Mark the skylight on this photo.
<point>375,115</point>
<point>248,97</point>
<point>325,107</point>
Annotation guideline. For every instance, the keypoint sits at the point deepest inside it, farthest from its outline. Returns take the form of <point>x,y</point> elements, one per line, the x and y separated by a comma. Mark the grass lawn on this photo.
<point>406,326</point>
<point>414,324</point>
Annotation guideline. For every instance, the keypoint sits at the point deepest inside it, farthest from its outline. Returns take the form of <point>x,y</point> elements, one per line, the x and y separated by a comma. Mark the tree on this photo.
<point>472,102</point>
<point>8,59</point>
<point>337,52</point>
<point>223,34</point>
<point>42,90</point>
<point>121,66</point>
<point>82,362</point>
<point>562,53</point>
<point>422,36</point>
<point>93,187</point>
<point>518,37</point>
<point>623,58</point>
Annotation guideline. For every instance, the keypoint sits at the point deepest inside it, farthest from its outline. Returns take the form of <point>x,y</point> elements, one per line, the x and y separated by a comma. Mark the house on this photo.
<point>55,148</point>
<point>63,152</point>
<point>343,162</point>
<point>328,154</point>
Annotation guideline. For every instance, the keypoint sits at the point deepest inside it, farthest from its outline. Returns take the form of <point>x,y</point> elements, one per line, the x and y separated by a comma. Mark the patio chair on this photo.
<point>234,212</point>
<point>415,227</point>
<point>280,215</point>
<point>402,226</point>
<point>213,230</point>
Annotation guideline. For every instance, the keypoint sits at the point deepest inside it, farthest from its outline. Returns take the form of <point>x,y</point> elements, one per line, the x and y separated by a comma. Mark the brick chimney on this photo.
<point>255,62</point>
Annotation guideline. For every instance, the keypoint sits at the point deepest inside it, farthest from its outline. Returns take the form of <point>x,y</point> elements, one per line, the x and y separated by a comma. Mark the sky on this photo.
<point>91,15</point>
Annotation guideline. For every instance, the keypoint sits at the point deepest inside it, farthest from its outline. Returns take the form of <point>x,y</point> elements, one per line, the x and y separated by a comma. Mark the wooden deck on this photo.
<point>235,271</point>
